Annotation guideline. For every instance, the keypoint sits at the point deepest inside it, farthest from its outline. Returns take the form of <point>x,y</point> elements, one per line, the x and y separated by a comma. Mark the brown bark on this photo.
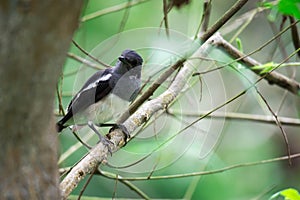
<point>34,38</point>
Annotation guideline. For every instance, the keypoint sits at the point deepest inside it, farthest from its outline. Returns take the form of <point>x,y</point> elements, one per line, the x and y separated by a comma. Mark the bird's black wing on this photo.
<point>96,87</point>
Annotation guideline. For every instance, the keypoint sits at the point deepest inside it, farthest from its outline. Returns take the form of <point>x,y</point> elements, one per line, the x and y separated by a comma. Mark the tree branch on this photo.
<point>84,61</point>
<point>201,173</point>
<point>112,9</point>
<point>272,77</point>
<point>268,119</point>
<point>234,9</point>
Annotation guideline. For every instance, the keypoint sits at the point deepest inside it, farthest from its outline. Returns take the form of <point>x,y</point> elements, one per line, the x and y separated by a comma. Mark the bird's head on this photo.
<point>130,59</point>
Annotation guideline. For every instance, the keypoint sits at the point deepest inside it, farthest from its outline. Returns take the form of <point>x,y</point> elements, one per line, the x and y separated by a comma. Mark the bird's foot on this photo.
<point>124,130</point>
<point>106,142</point>
<point>102,139</point>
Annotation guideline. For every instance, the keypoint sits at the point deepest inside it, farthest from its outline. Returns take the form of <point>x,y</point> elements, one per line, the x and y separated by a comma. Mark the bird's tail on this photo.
<point>60,125</point>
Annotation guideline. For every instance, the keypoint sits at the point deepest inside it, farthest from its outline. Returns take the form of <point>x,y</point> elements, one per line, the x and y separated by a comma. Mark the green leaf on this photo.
<point>288,194</point>
<point>239,44</point>
<point>290,7</point>
<point>265,68</point>
<point>268,5</point>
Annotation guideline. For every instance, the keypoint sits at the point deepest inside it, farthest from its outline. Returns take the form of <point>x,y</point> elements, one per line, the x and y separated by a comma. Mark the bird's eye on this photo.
<point>133,62</point>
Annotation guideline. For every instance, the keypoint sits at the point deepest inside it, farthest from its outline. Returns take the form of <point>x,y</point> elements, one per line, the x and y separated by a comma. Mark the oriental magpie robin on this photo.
<point>106,94</point>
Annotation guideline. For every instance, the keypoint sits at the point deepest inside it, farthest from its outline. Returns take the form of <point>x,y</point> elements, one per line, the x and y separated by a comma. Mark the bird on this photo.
<point>105,95</point>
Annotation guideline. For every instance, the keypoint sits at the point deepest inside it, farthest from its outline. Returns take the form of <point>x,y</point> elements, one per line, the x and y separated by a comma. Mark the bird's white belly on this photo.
<point>111,107</point>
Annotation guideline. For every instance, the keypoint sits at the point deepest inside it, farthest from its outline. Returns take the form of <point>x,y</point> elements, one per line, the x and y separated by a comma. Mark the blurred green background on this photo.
<point>213,143</point>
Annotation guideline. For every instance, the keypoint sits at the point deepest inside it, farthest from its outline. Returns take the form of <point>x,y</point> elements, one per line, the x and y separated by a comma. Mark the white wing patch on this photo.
<point>94,84</point>
<point>105,78</point>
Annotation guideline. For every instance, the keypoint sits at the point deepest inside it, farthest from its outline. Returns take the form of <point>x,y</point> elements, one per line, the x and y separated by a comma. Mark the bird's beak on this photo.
<point>122,59</point>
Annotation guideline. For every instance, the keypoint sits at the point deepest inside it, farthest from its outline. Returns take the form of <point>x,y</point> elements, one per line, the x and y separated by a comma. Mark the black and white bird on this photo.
<point>106,94</point>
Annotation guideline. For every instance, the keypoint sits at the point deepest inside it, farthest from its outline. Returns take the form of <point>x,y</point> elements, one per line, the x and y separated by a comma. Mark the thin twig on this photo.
<point>237,96</point>
<point>209,172</point>
<point>215,109</point>
<point>243,26</point>
<point>204,19</point>
<point>231,26</point>
<point>86,184</point>
<point>271,110</point>
<point>72,149</point>
<point>278,43</point>
<point>279,125</point>
<point>115,187</point>
<point>79,139</point>
<point>59,97</point>
<point>89,55</point>
<point>165,11</point>
<point>295,34</point>
<point>125,17</point>
<point>127,183</point>
<point>239,56</point>
<point>234,9</point>
<point>112,9</point>
<point>272,77</point>
<point>84,61</point>
<point>135,188</point>
<point>206,15</point>
<point>240,116</point>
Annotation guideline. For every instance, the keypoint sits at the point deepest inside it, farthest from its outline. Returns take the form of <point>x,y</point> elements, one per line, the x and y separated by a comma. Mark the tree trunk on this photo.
<point>34,38</point>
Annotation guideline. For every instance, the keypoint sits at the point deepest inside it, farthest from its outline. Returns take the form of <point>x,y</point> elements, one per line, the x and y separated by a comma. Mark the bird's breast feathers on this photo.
<point>110,107</point>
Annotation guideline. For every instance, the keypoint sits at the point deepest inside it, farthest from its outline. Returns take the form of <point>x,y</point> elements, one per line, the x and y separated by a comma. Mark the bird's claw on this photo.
<point>106,142</point>
<point>124,130</point>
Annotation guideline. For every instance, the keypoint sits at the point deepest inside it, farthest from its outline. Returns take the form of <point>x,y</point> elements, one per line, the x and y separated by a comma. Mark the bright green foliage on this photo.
<point>268,5</point>
<point>290,7</point>
<point>288,194</point>
<point>265,68</point>
<point>239,44</point>
<point>285,7</point>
